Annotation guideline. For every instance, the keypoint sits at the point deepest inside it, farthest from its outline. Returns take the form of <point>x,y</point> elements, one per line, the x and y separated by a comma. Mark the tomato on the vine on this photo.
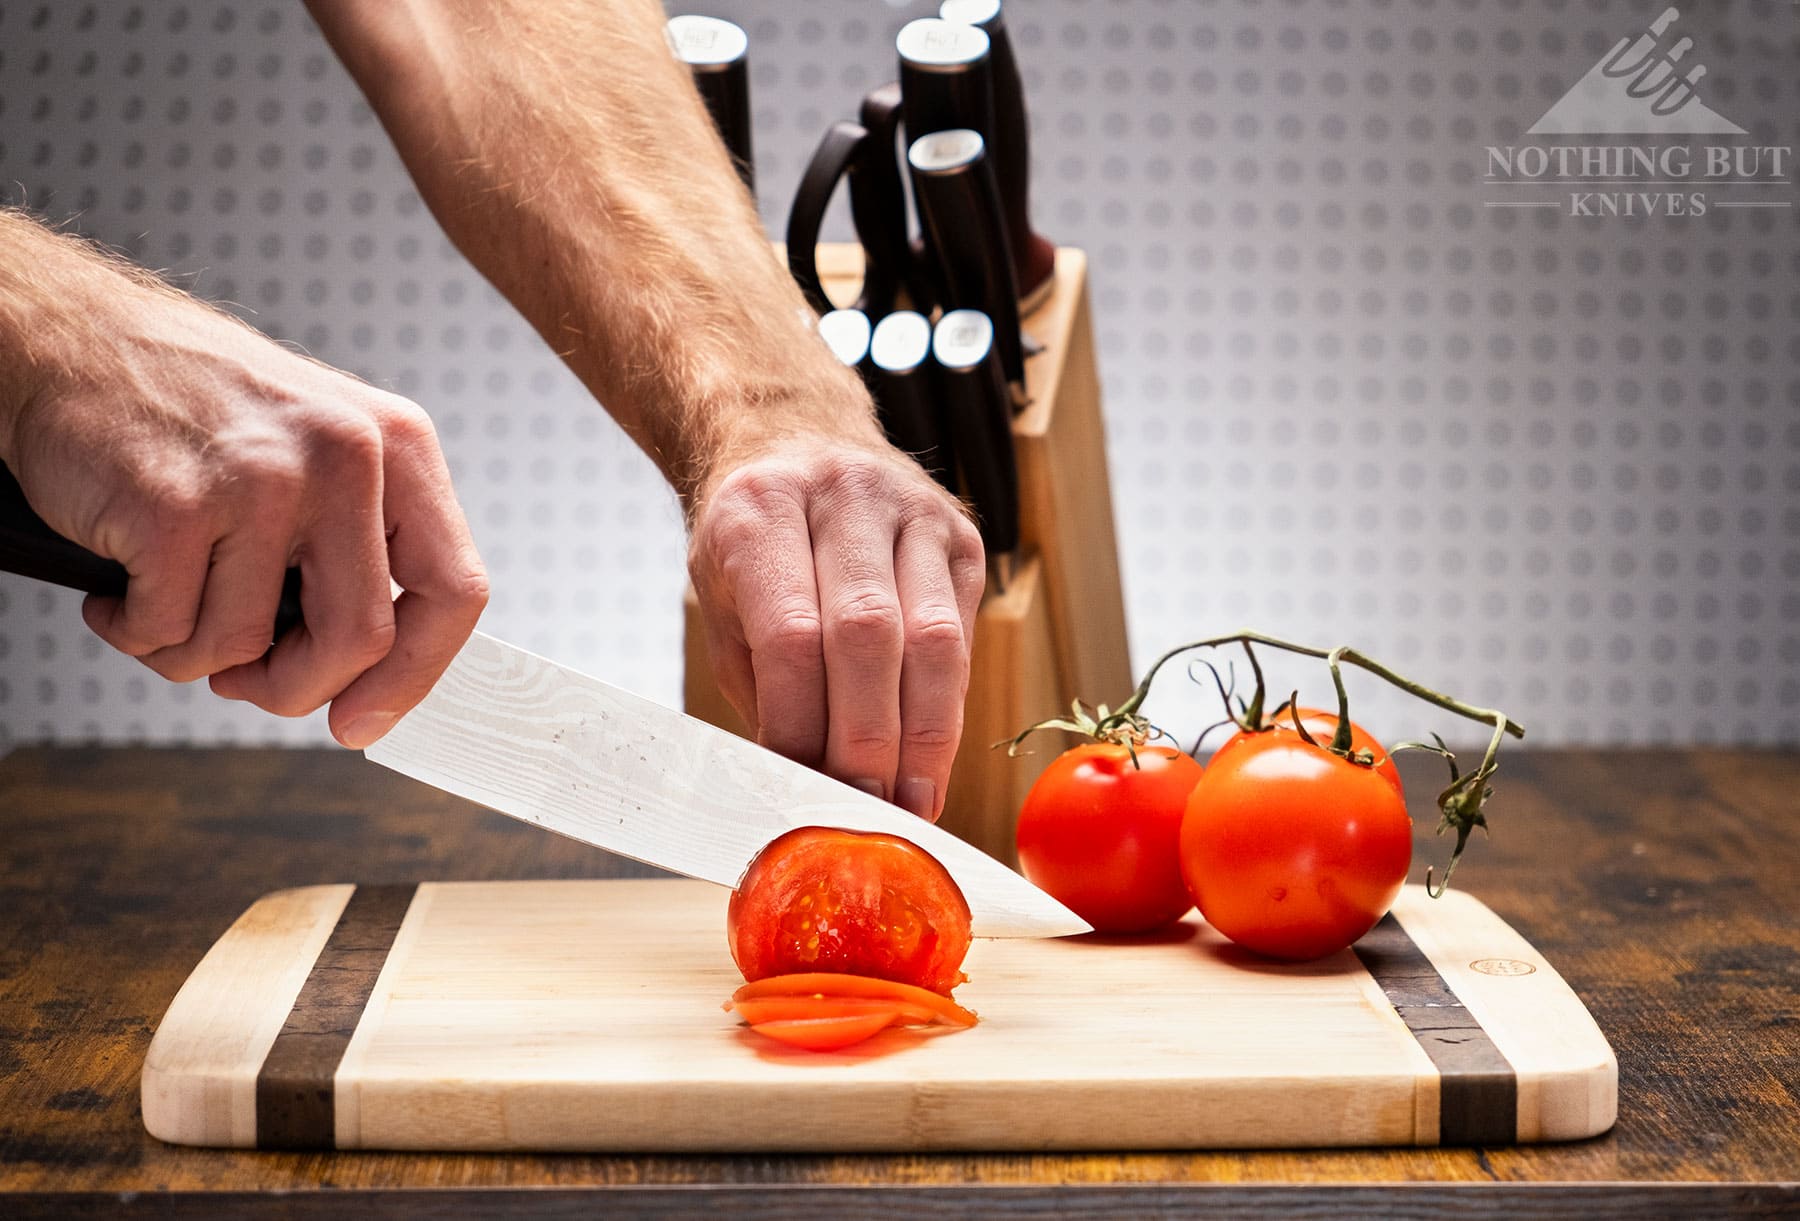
<point>1321,725</point>
<point>1101,834</point>
<point>1291,850</point>
<point>822,899</point>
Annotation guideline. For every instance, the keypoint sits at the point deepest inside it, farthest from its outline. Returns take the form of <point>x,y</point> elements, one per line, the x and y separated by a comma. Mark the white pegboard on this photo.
<point>1547,461</point>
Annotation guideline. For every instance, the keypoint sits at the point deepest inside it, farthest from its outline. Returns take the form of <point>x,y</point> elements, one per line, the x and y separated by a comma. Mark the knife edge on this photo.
<point>548,745</point>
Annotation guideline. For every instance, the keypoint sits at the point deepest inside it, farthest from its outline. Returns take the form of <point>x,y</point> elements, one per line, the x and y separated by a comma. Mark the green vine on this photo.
<point>1460,804</point>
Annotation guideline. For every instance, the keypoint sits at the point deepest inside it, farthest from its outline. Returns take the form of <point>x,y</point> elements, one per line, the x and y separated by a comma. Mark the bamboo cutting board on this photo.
<point>585,1015</point>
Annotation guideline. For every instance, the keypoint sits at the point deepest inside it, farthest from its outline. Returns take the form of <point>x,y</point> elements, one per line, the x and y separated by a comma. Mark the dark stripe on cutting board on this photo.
<point>1478,1091</point>
<point>294,1104</point>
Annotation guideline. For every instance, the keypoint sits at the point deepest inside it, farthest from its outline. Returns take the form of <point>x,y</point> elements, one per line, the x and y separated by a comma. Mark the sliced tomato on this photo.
<point>828,1033</point>
<point>834,985</point>
<point>756,1010</point>
<point>823,899</point>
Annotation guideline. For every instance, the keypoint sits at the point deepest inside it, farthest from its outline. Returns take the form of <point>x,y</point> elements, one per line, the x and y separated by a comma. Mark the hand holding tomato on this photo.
<point>1100,831</point>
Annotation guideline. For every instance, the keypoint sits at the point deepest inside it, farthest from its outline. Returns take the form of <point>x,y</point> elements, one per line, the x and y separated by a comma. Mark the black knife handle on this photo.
<point>841,152</point>
<point>960,207</point>
<point>980,412</point>
<point>1009,144</point>
<point>946,77</point>
<point>30,548</point>
<point>906,393</point>
<point>717,53</point>
<point>878,205</point>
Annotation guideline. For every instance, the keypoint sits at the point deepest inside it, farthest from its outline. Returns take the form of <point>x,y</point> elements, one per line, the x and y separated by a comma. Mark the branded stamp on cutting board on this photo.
<point>585,1015</point>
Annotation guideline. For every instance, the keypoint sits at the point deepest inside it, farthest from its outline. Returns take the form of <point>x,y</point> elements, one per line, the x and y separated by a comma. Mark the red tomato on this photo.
<point>820,899</point>
<point>844,993</point>
<point>827,1033</point>
<point>1292,851</point>
<point>1103,836</point>
<point>1322,725</point>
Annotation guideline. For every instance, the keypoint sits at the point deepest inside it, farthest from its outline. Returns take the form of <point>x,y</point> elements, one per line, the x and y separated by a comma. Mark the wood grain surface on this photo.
<point>586,1016</point>
<point>1661,884</point>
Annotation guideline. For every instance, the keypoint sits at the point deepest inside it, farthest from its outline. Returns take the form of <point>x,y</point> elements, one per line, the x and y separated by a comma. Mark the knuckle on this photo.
<point>242,644</point>
<point>469,585</point>
<point>868,620</point>
<point>739,511</point>
<point>794,637</point>
<point>936,637</point>
<point>350,439</point>
<point>930,739</point>
<point>406,421</point>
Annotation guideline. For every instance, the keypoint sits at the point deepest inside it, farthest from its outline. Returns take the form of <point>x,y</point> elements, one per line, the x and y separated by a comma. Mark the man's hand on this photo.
<point>567,154</point>
<point>838,586</point>
<point>207,460</point>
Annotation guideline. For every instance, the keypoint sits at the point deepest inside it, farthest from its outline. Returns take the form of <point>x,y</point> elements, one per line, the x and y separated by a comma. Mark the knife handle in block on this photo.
<point>980,411</point>
<point>907,397</point>
<point>717,53</point>
<point>1034,258</point>
<point>959,204</point>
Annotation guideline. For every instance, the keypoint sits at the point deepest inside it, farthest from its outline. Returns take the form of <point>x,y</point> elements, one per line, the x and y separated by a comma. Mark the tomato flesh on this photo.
<point>827,1033</point>
<point>1101,834</point>
<point>819,899</point>
<point>837,988</point>
<point>1292,851</point>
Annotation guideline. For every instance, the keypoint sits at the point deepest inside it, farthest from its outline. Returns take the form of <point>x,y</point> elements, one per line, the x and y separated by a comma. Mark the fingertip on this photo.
<point>362,730</point>
<point>101,614</point>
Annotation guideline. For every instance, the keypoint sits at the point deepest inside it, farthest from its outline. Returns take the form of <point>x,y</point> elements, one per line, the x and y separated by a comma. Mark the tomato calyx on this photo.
<point>1460,804</point>
<point>1250,718</point>
<point>1123,727</point>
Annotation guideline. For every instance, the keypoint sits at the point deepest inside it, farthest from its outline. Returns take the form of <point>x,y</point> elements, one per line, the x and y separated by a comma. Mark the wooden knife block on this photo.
<point>1058,630</point>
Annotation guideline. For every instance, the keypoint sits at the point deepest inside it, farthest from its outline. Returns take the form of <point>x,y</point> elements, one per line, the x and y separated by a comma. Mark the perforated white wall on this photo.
<point>1356,392</point>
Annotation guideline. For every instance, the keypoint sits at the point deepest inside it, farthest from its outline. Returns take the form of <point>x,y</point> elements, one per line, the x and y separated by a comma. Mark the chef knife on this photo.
<point>1009,143</point>
<point>980,412</point>
<point>953,185</point>
<point>906,393</point>
<point>542,743</point>
<point>717,53</point>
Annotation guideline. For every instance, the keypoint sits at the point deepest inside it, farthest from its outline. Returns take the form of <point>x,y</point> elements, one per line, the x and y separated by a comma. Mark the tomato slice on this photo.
<point>828,1033</point>
<point>828,984</point>
<point>756,1010</point>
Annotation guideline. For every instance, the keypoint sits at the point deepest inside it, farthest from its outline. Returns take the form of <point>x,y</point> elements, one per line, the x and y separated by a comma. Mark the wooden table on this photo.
<point>1662,884</point>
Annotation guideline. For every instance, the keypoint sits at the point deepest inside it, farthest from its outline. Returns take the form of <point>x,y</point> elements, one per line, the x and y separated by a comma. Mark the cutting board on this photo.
<point>585,1015</point>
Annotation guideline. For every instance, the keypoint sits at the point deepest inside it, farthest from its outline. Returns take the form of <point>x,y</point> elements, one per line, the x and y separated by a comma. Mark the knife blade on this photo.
<point>717,53</point>
<point>543,743</point>
<point>540,742</point>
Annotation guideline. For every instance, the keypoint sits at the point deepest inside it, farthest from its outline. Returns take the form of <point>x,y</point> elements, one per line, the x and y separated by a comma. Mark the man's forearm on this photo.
<point>567,154</point>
